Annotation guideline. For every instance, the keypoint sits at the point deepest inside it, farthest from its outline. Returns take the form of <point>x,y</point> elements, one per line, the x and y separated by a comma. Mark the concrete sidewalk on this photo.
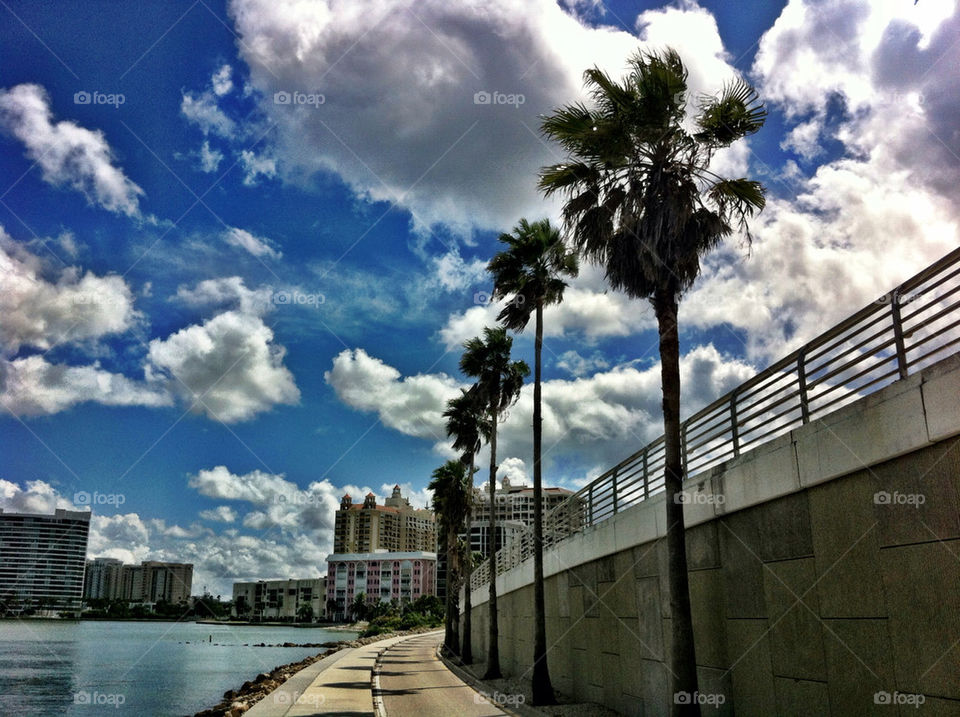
<point>338,684</point>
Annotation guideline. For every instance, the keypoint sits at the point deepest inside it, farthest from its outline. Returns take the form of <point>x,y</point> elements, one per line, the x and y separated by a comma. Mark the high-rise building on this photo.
<point>169,582</point>
<point>381,576</point>
<point>42,559</point>
<point>150,582</point>
<point>101,579</point>
<point>280,599</point>
<point>513,506</point>
<point>394,526</point>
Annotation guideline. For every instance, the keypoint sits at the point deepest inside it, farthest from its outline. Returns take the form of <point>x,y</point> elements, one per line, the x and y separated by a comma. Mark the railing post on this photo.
<point>802,378</point>
<point>590,505</point>
<point>613,489</point>
<point>646,473</point>
<point>734,429</point>
<point>898,334</point>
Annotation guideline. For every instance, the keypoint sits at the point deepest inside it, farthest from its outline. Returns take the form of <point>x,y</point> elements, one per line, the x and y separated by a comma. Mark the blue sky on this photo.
<point>221,310</point>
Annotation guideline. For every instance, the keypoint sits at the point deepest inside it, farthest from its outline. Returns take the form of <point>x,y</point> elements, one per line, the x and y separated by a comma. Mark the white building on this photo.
<point>42,560</point>
<point>513,507</point>
<point>280,599</point>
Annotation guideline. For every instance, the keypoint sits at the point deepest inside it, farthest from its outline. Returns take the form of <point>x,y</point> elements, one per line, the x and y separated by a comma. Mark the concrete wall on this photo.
<point>810,593</point>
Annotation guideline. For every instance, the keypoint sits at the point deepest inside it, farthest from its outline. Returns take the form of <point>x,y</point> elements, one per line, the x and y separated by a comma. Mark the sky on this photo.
<point>242,242</point>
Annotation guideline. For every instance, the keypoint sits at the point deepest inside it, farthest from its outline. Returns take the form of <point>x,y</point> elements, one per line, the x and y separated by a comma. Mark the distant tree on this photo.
<point>450,500</point>
<point>305,613</point>
<point>499,381</point>
<point>467,424</point>
<point>530,273</point>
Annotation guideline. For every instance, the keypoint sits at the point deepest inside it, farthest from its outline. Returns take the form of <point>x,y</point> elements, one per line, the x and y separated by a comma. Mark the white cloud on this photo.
<point>257,246</point>
<point>32,386</point>
<point>220,514</point>
<point>222,81</point>
<point>256,166</point>
<point>601,418</point>
<point>229,367</point>
<point>210,158</point>
<point>399,122</point>
<point>202,110</point>
<point>73,307</point>
<point>67,154</point>
<point>573,363</point>
<point>411,405</point>
<point>228,291</point>
<point>588,309</point>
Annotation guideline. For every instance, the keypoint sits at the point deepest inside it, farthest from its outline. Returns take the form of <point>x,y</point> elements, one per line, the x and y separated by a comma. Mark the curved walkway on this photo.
<point>412,681</point>
<point>415,683</point>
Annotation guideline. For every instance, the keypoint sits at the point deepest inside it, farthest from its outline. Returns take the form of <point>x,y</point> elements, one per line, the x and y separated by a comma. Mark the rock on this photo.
<point>229,694</point>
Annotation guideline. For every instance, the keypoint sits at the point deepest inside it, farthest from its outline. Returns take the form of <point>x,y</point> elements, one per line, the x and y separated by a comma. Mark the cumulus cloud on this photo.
<point>228,367</point>
<point>411,405</point>
<point>577,365</point>
<point>32,386</point>
<point>42,308</point>
<point>874,78</point>
<point>411,131</point>
<point>588,309</point>
<point>257,246</point>
<point>256,166</point>
<point>227,291</point>
<point>600,418</point>
<point>67,154</point>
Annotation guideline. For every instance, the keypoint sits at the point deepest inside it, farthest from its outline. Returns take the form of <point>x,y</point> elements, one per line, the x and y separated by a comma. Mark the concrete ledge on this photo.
<point>876,428</point>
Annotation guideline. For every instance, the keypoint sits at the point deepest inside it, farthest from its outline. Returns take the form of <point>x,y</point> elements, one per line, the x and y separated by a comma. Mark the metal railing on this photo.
<point>900,333</point>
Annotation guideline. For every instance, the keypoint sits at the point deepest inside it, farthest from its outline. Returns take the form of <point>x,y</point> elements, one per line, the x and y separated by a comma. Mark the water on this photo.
<point>91,668</point>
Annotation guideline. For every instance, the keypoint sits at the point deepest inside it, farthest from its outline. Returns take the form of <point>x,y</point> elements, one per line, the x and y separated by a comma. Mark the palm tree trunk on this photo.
<point>542,688</point>
<point>466,651</point>
<point>683,662</point>
<point>493,648</point>
<point>450,633</point>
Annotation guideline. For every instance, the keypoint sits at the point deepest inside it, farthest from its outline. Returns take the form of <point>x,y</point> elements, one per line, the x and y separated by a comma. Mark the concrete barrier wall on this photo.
<point>824,575</point>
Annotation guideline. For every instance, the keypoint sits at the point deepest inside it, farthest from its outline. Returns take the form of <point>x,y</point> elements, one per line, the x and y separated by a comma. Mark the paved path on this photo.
<point>336,685</point>
<point>414,683</point>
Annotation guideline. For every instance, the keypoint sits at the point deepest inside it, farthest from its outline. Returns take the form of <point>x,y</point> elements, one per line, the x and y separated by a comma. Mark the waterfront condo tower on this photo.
<point>394,526</point>
<point>42,560</point>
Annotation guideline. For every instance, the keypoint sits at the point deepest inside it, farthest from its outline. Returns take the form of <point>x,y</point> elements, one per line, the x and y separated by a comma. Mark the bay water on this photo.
<point>167,669</point>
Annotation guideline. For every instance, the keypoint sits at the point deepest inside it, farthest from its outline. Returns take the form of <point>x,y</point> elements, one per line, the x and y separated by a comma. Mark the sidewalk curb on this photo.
<point>477,686</point>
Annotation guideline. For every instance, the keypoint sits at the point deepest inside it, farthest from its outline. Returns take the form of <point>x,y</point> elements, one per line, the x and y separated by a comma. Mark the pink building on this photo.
<point>381,576</point>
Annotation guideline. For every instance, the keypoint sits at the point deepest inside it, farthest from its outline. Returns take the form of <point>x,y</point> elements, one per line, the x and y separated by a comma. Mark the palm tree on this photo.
<point>450,500</point>
<point>498,386</point>
<point>643,202</point>
<point>467,425</point>
<point>531,271</point>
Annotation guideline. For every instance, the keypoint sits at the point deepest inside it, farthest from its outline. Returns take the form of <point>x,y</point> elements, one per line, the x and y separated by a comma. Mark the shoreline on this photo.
<point>252,691</point>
